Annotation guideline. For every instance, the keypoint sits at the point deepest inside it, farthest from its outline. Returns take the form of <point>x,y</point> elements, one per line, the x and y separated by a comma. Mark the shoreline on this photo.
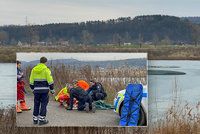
<point>8,53</point>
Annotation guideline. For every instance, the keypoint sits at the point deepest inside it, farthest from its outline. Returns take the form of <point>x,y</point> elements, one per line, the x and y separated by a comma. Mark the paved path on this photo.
<point>58,116</point>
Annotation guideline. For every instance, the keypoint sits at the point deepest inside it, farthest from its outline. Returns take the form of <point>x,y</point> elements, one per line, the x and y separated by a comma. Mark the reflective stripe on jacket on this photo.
<point>41,79</point>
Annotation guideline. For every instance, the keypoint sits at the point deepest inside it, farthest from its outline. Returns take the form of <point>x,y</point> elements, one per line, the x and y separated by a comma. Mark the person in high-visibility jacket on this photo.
<point>41,81</point>
<point>63,97</point>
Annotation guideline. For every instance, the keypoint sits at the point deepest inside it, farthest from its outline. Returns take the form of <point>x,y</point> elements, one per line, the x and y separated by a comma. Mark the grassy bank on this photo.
<point>7,121</point>
<point>178,120</point>
<point>7,54</point>
<point>112,79</point>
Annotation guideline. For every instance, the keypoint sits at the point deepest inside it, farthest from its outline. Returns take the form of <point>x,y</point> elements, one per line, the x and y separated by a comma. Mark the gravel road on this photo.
<point>58,116</point>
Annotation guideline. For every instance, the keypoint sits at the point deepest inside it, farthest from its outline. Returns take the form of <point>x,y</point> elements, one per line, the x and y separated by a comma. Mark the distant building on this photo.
<point>127,43</point>
<point>64,43</point>
<point>41,43</point>
<point>148,43</point>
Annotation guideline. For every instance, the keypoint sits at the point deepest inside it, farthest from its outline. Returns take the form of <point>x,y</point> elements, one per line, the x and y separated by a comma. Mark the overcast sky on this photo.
<point>58,11</point>
<point>80,56</point>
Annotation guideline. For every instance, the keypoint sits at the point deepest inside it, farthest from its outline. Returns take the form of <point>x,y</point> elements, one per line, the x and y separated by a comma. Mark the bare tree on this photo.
<point>117,39</point>
<point>127,37</point>
<point>87,37</point>
<point>155,39</point>
<point>140,40</point>
<point>3,37</point>
<point>196,35</point>
<point>35,38</point>
<point>166,41</point>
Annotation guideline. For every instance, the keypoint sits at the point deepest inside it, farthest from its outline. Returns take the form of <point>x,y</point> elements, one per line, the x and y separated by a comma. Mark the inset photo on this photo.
<point>82,89</point>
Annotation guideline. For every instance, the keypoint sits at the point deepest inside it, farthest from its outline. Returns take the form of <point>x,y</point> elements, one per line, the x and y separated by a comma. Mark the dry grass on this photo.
<point>113,79</point>
<point>179,120</point>
<point>7,120</point>
<point>8,54</point>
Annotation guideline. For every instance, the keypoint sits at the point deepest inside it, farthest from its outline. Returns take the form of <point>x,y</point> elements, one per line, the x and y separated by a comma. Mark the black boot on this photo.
<point>43,121</point>
<point>35,120</point>
<point>93,108</point>
<point>87,109</point>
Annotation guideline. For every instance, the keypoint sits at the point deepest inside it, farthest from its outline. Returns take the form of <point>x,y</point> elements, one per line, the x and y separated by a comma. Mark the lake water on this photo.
<point>161,87</point>
<point>7,84</point>
<point>164,88</point>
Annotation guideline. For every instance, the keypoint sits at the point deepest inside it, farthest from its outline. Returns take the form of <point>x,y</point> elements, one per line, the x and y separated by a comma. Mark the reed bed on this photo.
<point>180,118</point>
<point>7,120</point>
<point>8,53</point>
<point>112,79</point>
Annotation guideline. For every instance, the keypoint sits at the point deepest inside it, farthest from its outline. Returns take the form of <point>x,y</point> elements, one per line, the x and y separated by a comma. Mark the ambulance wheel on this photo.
<point>120,108</point>
<point>142,119</point>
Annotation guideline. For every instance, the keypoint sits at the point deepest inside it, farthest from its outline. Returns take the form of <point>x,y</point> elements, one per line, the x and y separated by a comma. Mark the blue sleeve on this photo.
<point>71,100</point>
<point>51,86</point>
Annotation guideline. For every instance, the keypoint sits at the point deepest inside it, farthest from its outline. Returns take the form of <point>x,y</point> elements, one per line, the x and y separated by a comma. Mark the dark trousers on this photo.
<point>40,104</point>
<point>82,98</point>
<point>96,95</point>
<point>81,103</point>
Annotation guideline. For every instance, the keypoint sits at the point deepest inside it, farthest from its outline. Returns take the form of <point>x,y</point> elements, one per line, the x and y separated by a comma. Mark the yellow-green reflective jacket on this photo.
<point>41,79</point>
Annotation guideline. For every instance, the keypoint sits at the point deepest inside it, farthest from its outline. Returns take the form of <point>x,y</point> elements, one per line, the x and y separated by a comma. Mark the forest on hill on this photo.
<point>193,19</point>
<point>149,29</point>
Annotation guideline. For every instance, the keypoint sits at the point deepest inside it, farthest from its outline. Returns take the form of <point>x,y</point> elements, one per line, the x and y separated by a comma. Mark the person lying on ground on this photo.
<point>83,98</point>
<point>96,91</point>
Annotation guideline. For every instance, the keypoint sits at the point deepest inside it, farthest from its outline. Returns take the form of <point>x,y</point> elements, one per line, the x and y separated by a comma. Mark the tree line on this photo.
<point>149,29</point>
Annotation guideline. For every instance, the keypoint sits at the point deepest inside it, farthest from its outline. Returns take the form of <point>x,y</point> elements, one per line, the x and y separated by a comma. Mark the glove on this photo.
<point>52,91</point>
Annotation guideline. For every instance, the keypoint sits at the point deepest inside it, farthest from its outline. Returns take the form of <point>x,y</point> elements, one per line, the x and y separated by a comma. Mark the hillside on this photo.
<point>136,63</point>
<point>150,29</point>
<point>195,20</point>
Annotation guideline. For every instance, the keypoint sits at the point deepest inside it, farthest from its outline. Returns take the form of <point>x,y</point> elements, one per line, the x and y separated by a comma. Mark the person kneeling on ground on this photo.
<point>83,98</point>
<point>82,84</point>
<point>96,91</point>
